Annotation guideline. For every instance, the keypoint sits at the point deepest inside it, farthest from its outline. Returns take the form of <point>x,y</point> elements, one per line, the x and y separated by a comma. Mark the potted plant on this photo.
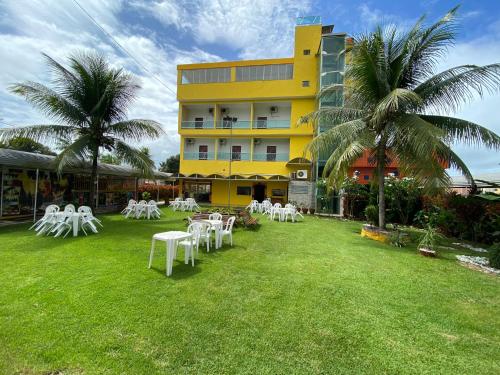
<point>427,244</point>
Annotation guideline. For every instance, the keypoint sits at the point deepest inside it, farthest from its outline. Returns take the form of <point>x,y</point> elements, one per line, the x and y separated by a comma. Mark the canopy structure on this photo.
<point>299,162</point>
<point>29,160</point>
<point>486,180</point>
<point>233,177</point>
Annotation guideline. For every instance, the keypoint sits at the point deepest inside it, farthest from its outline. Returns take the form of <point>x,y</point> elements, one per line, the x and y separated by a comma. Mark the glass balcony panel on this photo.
<point>234,156</point>
<point>228,124</point>
<point>199,156</point>
<point>197,124</point>
<point>279,156</point>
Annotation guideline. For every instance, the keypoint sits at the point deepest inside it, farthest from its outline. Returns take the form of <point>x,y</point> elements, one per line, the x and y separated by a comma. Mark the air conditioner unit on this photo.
<point>190,141</point>
<point>224,110</point>
<point>222,141</point>
<point>302,174</point>
<point>257,141</point>
<point>273,109</point>
<point>211,111</point>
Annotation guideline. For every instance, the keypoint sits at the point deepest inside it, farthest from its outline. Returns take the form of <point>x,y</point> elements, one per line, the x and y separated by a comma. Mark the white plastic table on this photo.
<point>217,224</point>
<point>75,220</point>
<point>171,239</point>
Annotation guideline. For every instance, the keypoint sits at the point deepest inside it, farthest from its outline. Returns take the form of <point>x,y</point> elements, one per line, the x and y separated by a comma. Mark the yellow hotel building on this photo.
<point>238,121</point>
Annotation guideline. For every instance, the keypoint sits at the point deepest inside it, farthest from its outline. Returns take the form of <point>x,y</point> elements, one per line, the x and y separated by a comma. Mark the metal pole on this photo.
<point>230,161</point>
<point>1,194</point>
<point>158,191</point>
<point>97,192</point>
<point>36,196</point>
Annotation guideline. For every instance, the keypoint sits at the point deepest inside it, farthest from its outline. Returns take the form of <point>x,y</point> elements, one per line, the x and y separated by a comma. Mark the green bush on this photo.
<point>146,195</point>
<point>371,214</point>
<point>494,252</point>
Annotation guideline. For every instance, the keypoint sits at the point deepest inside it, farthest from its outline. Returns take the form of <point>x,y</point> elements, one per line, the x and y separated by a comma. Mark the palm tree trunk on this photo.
<point>381,180</point>
<point>93,177</point>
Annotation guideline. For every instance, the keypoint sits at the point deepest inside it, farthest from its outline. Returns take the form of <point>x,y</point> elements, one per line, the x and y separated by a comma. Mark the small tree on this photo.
<point>171,165</point>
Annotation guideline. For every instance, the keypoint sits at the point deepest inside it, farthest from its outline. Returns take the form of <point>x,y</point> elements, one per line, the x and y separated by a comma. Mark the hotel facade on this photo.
<point>238,123</point>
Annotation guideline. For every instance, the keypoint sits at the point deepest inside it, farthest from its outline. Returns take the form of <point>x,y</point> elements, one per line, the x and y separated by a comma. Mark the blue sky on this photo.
<point>164,33</point>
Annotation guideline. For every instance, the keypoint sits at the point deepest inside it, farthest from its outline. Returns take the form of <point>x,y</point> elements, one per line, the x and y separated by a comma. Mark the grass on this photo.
<point>310,297</point>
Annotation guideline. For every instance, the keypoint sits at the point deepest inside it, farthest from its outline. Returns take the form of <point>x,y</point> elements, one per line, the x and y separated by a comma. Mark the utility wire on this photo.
<point>123,48</point>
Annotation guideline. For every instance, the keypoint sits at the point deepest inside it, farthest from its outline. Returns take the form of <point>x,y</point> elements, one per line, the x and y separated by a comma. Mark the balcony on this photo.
<point>234,156</point>
<point>199,155</point>
<point>280,156</point>
<point>230,124</point>
<point>271,124</point>
<point>205,124</point>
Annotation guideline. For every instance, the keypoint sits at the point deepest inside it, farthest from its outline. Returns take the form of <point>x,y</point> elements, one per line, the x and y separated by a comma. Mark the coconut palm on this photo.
<point>395,106</point>
<point>88,103</point>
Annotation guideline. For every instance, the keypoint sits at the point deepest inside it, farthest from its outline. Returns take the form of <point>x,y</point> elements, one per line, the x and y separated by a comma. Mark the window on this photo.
<point>212,75</point>
<point>264,72</point>
<point>278,193</point>
<point>305,83</point>
<point>243,190</point>
<point>271,153</point>
<point>236,153</point>
<point>366,177</point>
<point>261,122</point>
<point>307,52</point>
<point>203,152</point>
<point>198,122</point>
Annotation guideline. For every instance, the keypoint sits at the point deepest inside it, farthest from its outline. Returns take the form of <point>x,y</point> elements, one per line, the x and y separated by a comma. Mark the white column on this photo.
<point>36,196</point>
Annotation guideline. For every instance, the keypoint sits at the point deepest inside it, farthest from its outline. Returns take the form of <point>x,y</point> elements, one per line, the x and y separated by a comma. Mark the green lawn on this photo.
<point>311,297</point>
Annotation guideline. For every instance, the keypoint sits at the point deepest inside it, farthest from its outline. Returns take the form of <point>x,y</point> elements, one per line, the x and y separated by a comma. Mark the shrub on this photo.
<point>429,239</point>
<point>371,214</point>
<point>146,195</point>
<point>494,254</point>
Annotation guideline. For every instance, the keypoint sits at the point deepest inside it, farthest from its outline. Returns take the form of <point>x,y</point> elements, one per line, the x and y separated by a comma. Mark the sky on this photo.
<point>163,33</point>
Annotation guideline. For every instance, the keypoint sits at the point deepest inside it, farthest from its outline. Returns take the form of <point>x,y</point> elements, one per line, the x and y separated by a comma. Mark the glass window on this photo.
<point>212,75</point>
<point>244,190</point>
<point>264,72</point>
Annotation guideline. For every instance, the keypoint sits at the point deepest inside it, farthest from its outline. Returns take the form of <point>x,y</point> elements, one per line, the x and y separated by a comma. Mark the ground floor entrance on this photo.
<point>239,193</point>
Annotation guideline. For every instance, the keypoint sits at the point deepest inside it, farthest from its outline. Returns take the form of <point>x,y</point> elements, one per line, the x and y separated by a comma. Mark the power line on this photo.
<point>123,48</point>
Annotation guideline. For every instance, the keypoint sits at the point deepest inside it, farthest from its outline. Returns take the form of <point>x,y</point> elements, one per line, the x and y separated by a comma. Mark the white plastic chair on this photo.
<point>129,207</point>
<point>155,211</point>
<point>215,216</point>
<point>228,230</point>
<point>195,229</point>
<point>89,217</point>
<point>50,210</point>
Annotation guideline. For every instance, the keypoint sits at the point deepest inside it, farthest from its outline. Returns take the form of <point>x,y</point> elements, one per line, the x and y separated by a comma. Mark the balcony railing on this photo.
<point>271,124</point>
<point>280,156</point>
<point>199,155</point>
<point>235,156</point>
<point>197,124</point>
<point>229,124</point>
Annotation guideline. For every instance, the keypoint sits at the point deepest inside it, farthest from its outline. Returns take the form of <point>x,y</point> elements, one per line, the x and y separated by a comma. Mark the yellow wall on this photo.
<point>302,99</point>
<point>220,189</point>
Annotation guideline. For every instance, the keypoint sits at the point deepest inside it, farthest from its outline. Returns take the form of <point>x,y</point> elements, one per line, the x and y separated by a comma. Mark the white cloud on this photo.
<point>59,29</point>
<point>481,51</point>
<point>254,28</point>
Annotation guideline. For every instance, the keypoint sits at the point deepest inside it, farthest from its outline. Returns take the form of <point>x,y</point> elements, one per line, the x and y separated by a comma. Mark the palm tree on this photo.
<point>88,102</point>
<point>395,106</point>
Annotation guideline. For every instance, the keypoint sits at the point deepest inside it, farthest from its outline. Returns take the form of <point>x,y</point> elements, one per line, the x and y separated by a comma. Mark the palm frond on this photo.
<point>330,139</point>
<point>134,157</point>
<point>397,100</point>
<point>136,129</point>
<point>447,90</point>
<point>464,131</point>
<point>74,154</point>
<point>38,133</point>
<point>51,103</point>
<point>331,116</point>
